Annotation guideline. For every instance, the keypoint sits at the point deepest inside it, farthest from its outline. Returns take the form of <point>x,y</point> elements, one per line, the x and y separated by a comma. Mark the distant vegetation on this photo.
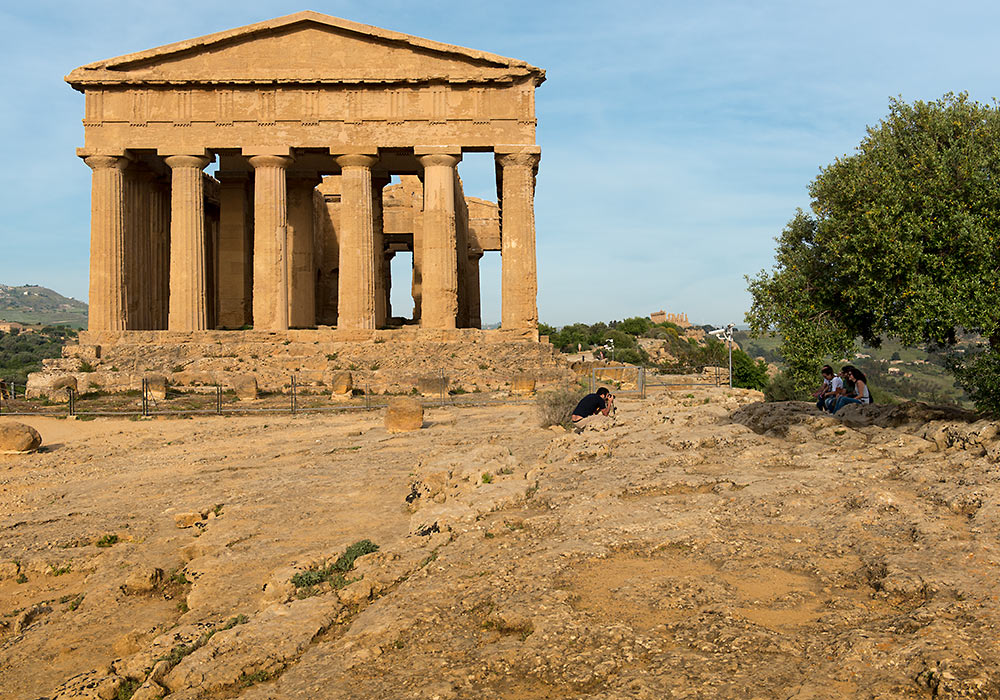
<point>896,373</point>
<point>688,354</point>
<point>33,304</point>
<point>22,352</point>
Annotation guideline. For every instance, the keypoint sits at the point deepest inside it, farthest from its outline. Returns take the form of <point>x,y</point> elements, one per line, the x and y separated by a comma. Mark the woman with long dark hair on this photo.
<point>861,393</point>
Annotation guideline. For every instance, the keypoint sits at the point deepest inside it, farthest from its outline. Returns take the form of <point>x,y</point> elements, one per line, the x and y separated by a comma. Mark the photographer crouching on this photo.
<point>594,409</point>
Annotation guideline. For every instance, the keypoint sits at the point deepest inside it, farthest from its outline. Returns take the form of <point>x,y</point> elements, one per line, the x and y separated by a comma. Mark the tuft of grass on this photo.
<point>218,509</point>
<point>331,356</point>
<point>58,570</point>
<point>248,679</point>
<point>127,689</point>
<point>178,577</point>
<point>75,603</point>
<point>85,366</point>
<point>107,540</point>
<point>483,365</point>
<point>379,341</point>
<point>487,478</point>
<point>374,366</point>
<point>21,578</point>
<point>334,573</point>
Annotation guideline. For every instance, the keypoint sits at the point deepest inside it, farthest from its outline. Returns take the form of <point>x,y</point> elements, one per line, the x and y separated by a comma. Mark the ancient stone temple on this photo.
<point>308,118</point>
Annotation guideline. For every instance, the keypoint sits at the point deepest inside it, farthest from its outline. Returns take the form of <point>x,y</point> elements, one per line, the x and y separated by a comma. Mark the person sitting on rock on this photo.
<point>593,408</point>
<point>836,390</point>
<point>862,395</point>
<point>825,388</point>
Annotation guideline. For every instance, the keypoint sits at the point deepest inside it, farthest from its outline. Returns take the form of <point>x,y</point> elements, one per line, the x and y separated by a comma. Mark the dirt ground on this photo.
<point>703,545</point>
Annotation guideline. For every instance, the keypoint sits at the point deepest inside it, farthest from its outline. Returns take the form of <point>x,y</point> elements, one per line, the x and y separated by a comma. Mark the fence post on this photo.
<point>218,399</point>
<point>368,398</point>
<point>293,394</point>
<point>72,400</point>
<point>442,387</point>
<point>145,397</point>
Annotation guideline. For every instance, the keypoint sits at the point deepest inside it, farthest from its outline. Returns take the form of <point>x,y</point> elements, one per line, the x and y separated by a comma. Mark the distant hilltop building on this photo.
<point>677,319</point>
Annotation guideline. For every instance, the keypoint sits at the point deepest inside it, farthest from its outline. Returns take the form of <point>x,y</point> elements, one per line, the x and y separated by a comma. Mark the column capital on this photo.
<point>199,162</point>
<point>475,253</point>
<point>526,160</point>
<point>268,161</point>
<point>432,159</point>
<point>356,160</point>
<point>104,162</point>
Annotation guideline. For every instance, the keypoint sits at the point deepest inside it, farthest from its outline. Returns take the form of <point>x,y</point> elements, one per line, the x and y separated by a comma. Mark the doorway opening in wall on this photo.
<point>400,294</point>
<point>489,288</point>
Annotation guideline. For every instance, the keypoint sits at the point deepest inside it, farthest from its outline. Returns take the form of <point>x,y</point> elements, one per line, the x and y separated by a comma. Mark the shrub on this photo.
<point>556,406</point>
<point>782,388</point>
<point>748,374</point>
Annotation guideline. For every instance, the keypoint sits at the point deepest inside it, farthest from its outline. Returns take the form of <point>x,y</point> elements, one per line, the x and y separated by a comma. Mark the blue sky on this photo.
<point>677,137</point>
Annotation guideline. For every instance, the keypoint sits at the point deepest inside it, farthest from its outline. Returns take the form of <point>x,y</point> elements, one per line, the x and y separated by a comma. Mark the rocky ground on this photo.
<point>702,546</point>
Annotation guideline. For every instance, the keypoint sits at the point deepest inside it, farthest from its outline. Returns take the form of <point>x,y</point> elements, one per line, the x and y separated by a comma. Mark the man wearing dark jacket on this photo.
<point>593,408</point>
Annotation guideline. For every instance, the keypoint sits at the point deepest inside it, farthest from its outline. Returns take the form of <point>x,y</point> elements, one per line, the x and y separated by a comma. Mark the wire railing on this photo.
<point>218,400</point>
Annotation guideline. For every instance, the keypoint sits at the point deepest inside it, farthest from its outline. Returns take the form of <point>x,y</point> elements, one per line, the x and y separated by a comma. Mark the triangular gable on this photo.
<point>306,47</point>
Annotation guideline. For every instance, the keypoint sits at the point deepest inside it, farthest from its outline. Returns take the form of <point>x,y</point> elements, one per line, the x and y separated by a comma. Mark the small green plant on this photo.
<point>287,342</point>
<point>334,573</point>
<point>127,689</point>
<point>457,391</point>
<point>178,578</point>
<point>249,679</point>
<point>181,650</point>
<point>85,366</point>
<point>506,470</point>
<point>489,535</point>
<point>379,340</point>
<point>218,509</point>
<point>374,366</point>
<point>21,578</point>
<point>182,607</point>
<point>76,602</point>
<point>353,367</point>
<point>114,368</point>
<point>331,356</point>
<point>177,368</point>
<point>483,365</point>
<point>487,477</point>
<point>58,570</point>
<point>107,540</point>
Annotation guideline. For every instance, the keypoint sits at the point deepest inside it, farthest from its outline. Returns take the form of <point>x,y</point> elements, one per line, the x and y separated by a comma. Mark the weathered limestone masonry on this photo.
<point>308,119</point>
<point>381,360</point>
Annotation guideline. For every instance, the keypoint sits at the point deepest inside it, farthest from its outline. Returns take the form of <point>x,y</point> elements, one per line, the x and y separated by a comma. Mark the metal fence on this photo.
<point>697,376</point>
<point>217,400</point>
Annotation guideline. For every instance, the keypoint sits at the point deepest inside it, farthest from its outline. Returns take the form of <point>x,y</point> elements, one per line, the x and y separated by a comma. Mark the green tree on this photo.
<point>747,373</point>
<point>637,325</point>
<point>901,243</point>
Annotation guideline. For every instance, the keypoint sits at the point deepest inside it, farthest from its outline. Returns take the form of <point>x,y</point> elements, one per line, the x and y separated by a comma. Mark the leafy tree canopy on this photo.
<point>902,240</point>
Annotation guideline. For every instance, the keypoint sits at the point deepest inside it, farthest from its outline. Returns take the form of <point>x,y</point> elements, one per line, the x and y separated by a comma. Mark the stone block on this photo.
<point>156,385</point>
<point>18,438</point>
<point>341,385</point>
<point>523,383</point>
<point>52,386</point>
<point>434,385</point>
<point>245,386</point>
<point>143,579</point>
<point>404,414</point>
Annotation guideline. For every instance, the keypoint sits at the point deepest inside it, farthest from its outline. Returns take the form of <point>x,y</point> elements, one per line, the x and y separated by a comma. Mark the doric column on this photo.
<point>472,288</point>
<point>519,276</point>
<point>378,246</point>
<point>235,240</point>
<point>108,310</point>
<point>159,231</point>
<point>439,274</point>
<point>356,296</point>
<point>188,285</point>
<point>462,252</point>
<point>301,263</point>
<point>135,231</point>
<point>387,283</point>
<point>270,230</point>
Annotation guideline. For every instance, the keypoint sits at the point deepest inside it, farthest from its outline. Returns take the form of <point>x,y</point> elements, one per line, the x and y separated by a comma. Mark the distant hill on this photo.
<point>34,304</point>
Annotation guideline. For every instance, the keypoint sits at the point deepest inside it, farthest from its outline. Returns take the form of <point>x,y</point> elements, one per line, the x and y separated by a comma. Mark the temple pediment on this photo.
<point>306,47</point>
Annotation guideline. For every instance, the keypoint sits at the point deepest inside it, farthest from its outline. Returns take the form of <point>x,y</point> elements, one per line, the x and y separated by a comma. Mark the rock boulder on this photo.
<point>404,414</point>
<point>18,438</point>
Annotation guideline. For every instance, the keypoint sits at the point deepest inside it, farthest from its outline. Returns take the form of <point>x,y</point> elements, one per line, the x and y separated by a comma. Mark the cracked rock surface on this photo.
<point>704,545</point>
